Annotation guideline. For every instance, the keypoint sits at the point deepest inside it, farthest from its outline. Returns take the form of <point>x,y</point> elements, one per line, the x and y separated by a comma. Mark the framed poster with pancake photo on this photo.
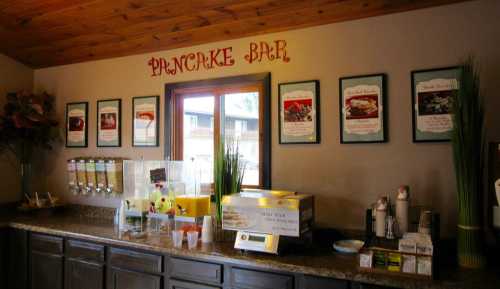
<point>145,110</point>
<point>432,95</point>
<point>299,121</point>
<point>77,124</point>
<point>109,123</point>
<point>362,104</point>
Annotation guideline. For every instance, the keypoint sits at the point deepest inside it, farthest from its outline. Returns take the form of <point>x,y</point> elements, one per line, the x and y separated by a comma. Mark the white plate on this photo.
<point>348,246</point>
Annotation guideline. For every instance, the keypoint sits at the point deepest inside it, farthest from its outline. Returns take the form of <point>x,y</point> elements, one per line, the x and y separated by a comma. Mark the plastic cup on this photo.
<point>192,238</point>
<point>177,237</point>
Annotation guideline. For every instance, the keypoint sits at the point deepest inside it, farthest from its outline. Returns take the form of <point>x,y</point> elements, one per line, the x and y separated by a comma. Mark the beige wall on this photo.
<point>347,178</point>
<point>14,76</point>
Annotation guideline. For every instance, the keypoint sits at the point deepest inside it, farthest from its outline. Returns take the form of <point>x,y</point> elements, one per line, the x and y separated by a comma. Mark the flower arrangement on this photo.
<point>28,122</point>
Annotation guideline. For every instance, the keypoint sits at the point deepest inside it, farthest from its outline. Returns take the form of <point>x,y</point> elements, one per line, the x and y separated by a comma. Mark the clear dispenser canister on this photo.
<point>114,174</point>
<point>91,176</point>
<point>72,178</point>
<point>100,173</point>
<point>81,175</point>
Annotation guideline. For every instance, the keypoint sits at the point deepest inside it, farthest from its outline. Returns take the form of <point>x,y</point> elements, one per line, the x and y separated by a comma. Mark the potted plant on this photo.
<point>27,124</point>
<point>229,170</point>
<point>468,155</point>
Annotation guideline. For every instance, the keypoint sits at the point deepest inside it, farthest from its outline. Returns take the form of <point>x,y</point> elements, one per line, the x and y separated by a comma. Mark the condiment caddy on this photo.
<point>391,247</point>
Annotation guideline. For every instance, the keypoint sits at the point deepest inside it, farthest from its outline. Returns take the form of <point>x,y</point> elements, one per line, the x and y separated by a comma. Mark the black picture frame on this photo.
<point>415,138</point>
<point>157,121</point>
<point>86,129</point>
<point>119,119</point>
<point>317,107</point>
<point>385,130</point>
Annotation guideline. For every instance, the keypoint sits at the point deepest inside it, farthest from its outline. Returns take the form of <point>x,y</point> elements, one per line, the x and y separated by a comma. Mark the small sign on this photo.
<point>158,175</point>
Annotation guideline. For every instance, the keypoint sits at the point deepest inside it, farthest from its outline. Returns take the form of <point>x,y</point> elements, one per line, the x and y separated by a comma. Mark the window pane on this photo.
<point>199,134</point>
<point>241,117</point>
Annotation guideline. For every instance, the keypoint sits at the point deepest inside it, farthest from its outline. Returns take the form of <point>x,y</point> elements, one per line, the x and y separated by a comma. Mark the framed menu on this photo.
<point>109,123</point>
<point>432,95</point>
<point>77,124</point>
<point>145,110</point>
<point>299,121</point>
<point>362,109</point>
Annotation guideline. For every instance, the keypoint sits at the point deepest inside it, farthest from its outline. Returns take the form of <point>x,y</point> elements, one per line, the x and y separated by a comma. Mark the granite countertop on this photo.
<point>325,263</point>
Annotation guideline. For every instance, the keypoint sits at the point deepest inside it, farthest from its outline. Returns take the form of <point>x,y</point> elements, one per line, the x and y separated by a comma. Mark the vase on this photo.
<point>26,173</point>
<point>470,253</point>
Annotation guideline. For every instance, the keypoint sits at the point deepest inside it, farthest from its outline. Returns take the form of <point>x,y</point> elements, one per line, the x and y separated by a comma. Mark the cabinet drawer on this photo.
<point>249,279</point>
<point>195,270</point>
<point>46,244</point>
<point>122,279</point>
<point>84,251</point>
<point>136,261</point>
<point>175,284</point>
<point>311,282</point>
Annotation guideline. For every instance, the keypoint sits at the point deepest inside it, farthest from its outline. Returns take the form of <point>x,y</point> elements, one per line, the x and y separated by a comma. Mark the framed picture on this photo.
<point>432,92</point>
<point>299,119</point>
<point>109,123</point>
<point>77,124</point>
<point>362,103</point>
<point>145,111</point>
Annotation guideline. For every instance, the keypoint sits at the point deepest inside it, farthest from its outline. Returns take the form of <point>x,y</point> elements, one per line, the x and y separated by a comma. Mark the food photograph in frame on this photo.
<point>109,123</point>
<point>77,124</point>
<point>432,94</point>
<point>145,110</point>
<point>299,119</point>
<point>362,101</point>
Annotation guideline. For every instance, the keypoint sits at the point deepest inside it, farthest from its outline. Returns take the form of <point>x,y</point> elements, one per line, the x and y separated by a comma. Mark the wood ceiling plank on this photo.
<point>145,31</point>
<point>203,18</point>
<point>337,11</point>
<point>104,17</point>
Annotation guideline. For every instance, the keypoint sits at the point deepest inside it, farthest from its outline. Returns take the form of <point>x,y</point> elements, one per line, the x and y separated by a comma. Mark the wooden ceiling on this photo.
<point>42,33</point>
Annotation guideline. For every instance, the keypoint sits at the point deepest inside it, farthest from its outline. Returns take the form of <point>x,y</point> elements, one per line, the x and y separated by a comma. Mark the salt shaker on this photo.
<point>380,217</point>
<point>402,204</point>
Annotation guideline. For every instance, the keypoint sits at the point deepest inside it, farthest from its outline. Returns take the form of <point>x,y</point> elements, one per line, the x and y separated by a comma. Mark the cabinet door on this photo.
<point>123,279</point>
<point>17,257</point>
<point>83,275</point>
<point>175,284</point>
<point>46,271</point>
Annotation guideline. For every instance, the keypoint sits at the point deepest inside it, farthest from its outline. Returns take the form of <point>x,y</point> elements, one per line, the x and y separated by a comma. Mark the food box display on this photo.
<point>271,212</point>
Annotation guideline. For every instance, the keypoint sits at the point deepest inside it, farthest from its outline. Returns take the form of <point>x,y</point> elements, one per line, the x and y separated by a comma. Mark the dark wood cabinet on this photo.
<point>46,260</point>
<point>176,284</point>
<point>39,261</point>
<point>83,265</point>
<point>17,258</point>
<point>83,275</point>
<point>46,271</point>
<point>124,279</point>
